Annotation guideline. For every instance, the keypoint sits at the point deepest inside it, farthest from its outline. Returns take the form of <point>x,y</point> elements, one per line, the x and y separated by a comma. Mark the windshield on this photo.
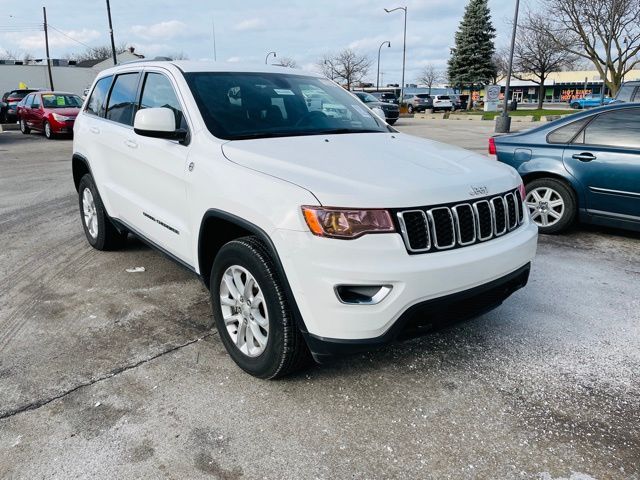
<point>57,100</point>
<point>366,97</point>
<point>238,105</point>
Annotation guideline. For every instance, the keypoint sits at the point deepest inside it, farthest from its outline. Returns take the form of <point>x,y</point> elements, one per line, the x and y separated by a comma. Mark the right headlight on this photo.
<point>346,223</point>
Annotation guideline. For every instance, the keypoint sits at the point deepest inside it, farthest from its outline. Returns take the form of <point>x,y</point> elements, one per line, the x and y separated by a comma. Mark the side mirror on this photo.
<point>157,123</point>
<point>379,112</point>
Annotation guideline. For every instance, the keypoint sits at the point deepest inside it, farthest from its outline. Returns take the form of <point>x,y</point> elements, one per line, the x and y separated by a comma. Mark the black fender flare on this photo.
<point>262,235</point>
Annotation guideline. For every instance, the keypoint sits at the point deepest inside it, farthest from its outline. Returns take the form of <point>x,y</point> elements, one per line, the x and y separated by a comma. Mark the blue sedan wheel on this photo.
<point>551,205</point>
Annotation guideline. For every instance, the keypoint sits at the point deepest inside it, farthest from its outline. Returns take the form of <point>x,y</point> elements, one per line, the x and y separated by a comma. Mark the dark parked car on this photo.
<point>391,110</point>
<point>585,166</point>
<point>629,92</point>
<point>387,97</point>
<point>459,101</point>
<point>50,112</point>
<point>12,98</point>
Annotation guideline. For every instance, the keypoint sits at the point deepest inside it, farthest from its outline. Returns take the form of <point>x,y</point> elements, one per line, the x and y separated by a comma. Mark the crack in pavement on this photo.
<point>45,401</point>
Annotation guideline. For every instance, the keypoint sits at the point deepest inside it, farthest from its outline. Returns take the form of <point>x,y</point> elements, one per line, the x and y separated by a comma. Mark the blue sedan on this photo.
<point>589,101</point>
<point>585,166</point>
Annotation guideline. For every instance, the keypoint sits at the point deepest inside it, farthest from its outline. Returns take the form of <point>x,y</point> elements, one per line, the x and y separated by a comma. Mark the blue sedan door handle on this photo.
<point>584,157</point>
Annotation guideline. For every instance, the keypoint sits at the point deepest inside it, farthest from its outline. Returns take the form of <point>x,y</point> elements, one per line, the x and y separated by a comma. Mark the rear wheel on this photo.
<point>575,106</point>
<point>552,205</point>
<point>391,121</point>
<point>251,311</point>
<point>23,127</point>
<point>100,232</point>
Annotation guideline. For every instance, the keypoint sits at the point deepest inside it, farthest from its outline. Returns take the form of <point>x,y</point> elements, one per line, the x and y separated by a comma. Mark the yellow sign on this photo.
<point>22,85</point>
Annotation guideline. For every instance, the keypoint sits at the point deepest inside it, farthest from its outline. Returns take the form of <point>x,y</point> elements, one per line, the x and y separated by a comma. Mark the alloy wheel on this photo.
<point>47,130</point>
<point>89,213</point>
<point>244,311</point>
<point>546,206</point>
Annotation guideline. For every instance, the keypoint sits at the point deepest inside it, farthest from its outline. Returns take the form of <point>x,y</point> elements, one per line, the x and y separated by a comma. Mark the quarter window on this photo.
<point>567,133</point>
<point>620,128</point>
<point>122,99</point>
<point>95,105</point>
<point>158,92</point>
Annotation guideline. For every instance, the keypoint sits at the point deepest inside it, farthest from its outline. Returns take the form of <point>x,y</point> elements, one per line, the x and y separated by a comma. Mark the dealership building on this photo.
<point>562,86</point>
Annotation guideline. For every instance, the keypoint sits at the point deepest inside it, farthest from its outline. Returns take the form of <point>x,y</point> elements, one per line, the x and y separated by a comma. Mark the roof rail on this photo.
<point>155,59</point>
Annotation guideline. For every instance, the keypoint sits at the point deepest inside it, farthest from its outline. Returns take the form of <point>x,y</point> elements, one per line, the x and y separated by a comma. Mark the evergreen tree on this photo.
<point>471,62</point>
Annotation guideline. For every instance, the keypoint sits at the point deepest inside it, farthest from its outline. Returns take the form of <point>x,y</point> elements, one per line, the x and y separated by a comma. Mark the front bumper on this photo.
<point>314,266</point>
<point>424,316</point>
<point>62,127</point>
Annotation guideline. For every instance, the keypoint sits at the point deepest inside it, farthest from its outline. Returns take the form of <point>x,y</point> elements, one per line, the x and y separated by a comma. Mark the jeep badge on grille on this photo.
<point>475,191</point>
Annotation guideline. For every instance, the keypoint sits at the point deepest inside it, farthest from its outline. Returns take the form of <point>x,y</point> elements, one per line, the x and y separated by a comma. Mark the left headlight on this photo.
<point>60,118</point>
<point>346,223</point>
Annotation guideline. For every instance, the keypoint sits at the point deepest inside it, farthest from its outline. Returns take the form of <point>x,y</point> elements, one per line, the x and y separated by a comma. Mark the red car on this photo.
<point>53,113</point>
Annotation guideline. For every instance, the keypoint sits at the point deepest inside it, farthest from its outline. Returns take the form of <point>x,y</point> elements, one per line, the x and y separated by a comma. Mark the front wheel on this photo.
<point>410,109</point>
<point>552,205</point>
<point>47,130</point>
<point>575,106</point>
<point>251,312</point>
<point>23,127</point>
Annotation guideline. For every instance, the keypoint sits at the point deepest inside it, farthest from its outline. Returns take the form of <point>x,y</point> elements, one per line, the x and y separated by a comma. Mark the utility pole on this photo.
<point>113,43</point>
<point>503,122</point>
<point>46,43</point>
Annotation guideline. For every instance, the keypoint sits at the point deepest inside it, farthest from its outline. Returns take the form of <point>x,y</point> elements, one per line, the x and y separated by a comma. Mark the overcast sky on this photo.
<point>247,29</point>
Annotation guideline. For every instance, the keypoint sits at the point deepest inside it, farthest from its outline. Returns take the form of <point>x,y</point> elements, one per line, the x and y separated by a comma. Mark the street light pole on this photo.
<point>378,75</point>
<point>503,122</point>
<point>404,47</point>
<point>267,57</point>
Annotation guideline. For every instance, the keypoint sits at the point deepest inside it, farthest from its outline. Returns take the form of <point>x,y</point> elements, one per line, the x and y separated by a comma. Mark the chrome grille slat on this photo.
<point>499,210</point>
<point>447,228</point>
<point>459,225</point>
<point>405,232</point>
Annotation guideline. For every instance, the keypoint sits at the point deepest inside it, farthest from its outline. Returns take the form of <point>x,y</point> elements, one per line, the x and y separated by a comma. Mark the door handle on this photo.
<point>584,157</point>
<point>131,144</point>
<point>94,130</point>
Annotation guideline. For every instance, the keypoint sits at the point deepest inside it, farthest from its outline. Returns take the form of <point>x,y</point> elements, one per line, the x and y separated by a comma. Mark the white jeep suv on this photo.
<point>315,234</point>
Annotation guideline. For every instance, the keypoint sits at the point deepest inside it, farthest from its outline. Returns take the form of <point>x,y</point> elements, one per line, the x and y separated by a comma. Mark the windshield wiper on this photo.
<point>299,133</point>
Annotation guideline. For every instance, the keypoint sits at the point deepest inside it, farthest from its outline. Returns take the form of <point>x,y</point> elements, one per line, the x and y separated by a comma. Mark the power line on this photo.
<point>70,37</point>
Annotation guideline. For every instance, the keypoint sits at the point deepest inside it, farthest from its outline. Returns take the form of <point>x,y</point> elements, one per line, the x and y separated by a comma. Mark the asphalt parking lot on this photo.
<point>110,374</point>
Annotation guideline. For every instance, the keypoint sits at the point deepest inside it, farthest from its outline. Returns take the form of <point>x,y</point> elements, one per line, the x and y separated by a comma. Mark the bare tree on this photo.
<point>430,75</point>
<point>97,53</point>
<point>347,66</point>
<point>501,62</point>
<point>536,54</point>
<point>9,55</point>
<point>606,32</point>
<point>179,56</point>
<point>286,62</point>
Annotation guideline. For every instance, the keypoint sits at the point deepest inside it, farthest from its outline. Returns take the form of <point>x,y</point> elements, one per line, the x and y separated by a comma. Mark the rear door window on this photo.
<point>620,128</point>
<point>122,99</point>
<point>97,100</point>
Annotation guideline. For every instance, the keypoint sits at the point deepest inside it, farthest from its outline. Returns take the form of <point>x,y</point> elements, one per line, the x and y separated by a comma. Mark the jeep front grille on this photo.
<point>444,227</point>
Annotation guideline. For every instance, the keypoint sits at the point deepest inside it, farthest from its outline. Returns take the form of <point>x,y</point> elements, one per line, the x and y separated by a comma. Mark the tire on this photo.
<point>575,106</point>
<point>100,232</point>
<point>47,130</point>
<point>24,128</point>
<point>274,351</point>
<point>410,109</point>
<point>392,121</point>
<point>552,205</point>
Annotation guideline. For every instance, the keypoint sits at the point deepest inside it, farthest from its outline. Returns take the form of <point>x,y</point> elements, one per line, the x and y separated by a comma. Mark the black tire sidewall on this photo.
<point>99,242</point>
<point>568,197</point>
<point>267,364</point>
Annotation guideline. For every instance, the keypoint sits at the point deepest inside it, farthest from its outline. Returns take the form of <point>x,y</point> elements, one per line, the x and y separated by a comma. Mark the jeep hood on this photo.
<point>384,170</point>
